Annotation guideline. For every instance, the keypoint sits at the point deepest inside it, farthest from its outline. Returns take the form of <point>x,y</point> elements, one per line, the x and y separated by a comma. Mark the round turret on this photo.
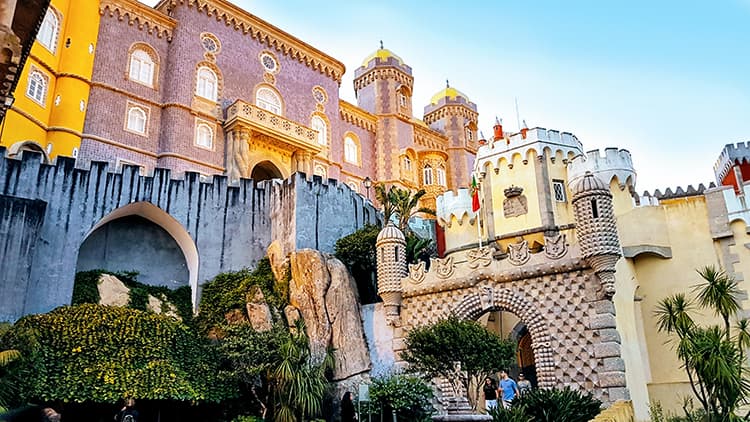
<point>596,228</point>
<point>391,259</point>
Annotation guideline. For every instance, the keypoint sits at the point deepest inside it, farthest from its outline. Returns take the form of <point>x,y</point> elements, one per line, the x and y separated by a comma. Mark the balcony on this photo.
<point>292,135</point>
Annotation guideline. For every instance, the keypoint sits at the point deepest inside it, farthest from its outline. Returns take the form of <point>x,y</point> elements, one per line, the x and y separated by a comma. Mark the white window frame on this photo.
<point>49,30</point>
<point>351,150</point>
<point>269,100</point>
<point>122,161</point>
<point>141,68</point>
<point>200,127</point>
<point>207,84</point>
<point>319,124</point>
<point>427,175</point>
<point>407,163</point>
<point>321,171</point>
<point>558,191</point>
<point>134,109</point>
<point>441,176</point>
<point>37,86</point>
<point>353,185</point>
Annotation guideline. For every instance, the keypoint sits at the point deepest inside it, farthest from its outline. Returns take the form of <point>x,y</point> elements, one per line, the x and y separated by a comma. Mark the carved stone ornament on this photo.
<point>487,298</point>
<point>416,272</point>
<point>515,206</point>
<point>519,254</point>
<point>444,267</point>
<point>480,257</point>
<point>555,246</point>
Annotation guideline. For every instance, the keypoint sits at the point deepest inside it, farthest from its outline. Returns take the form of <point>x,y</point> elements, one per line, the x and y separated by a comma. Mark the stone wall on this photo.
<point>217,227</point>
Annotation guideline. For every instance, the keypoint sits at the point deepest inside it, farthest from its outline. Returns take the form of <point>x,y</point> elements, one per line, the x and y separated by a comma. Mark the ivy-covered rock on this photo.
<point>357,252</point>
<point>95,353</point>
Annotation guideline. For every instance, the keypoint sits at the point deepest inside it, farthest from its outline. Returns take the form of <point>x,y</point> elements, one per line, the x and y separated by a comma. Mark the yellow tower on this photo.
<point>52,95</point>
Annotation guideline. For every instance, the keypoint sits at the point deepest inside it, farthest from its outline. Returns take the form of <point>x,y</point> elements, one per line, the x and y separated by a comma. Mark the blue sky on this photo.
<point>667,80</point>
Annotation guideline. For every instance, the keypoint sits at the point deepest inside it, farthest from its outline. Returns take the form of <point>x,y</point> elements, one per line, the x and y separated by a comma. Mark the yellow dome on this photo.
<point>382,54</point>
<point>450,92</point>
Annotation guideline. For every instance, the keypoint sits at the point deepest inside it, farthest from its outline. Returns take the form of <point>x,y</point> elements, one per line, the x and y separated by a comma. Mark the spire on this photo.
<point>381,44</point>
<point>447,84</point>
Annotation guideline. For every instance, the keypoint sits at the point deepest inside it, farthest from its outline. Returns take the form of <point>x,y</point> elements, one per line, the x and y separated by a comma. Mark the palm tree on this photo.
<point>719,292</point>
<point>7,386</point>
<point>384,197</point>
<point>400,202</point>
<point>743,338</point>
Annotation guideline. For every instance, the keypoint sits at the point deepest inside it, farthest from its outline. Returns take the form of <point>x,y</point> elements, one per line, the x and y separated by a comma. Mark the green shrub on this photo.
<point>558,405</point>
<point>409,396</point>
<point>357,252</point>
<point>509,415</point>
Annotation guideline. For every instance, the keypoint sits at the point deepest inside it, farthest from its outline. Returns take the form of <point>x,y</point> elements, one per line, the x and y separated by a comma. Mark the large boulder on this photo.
<point>258,311</point>
<point>323,292</point>
<point>112,291</point>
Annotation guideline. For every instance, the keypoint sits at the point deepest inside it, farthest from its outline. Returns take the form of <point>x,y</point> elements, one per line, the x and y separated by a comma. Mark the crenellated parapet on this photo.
<point>454,205</point>
<point>731,154</point>
<point>614,163</point>
<point>539,140</point>
<point>678,192</point>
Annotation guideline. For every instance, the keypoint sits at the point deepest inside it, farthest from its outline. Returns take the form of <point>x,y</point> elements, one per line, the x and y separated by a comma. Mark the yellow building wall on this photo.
<point>683,224</point>
<point>69,70</point>
<point>522,175</point>
<point>558,170</point>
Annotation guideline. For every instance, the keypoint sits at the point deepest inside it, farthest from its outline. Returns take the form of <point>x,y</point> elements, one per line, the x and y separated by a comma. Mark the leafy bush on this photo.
<point>228,291</point>
<point>557,405</point>
<point>104,353</point>
<point>357,251</point>
<point>410,397</point>
<point>509,415</point>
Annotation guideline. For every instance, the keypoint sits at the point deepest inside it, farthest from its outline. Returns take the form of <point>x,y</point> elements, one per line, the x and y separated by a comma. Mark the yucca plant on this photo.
<point>558,405</point>
<point>514,414</point>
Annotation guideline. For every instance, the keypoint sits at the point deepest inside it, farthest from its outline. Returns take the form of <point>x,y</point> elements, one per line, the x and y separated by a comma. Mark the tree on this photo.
<point>402,203</point>
<point>408,396</point>
<point>713,362</point>
<point>433,350</point>
<point>357,251</point>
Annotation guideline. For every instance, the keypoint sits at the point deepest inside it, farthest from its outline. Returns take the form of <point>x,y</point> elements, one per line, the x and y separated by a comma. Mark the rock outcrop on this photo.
<point>258,311</point>
<point>323,292</point>
<point>113,292</point>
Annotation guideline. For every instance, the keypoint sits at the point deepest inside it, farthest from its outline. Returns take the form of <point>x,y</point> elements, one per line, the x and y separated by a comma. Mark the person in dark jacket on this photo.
<point>128,413</point>
<point>347,408</point>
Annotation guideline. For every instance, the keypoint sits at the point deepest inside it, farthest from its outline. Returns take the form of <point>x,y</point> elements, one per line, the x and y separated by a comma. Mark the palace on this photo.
<point>205,86</point>
<point>153,139</point>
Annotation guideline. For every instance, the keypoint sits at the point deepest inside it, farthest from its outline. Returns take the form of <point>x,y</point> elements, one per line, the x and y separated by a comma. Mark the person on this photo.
<point>50,415</point>
<point>508,387</point>
<point>347,408</point>
<point>524,385</point>
<point>490,394</point>
<point>128,412</point>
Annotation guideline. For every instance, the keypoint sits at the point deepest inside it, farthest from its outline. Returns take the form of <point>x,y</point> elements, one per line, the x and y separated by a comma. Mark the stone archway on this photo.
<point>265,170</point>
<point>165,221</point>
<point>475,304</point>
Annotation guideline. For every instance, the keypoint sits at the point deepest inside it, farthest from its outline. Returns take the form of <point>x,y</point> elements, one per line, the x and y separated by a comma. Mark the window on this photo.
<point>402,100</point>
<point>469,135</point>
<point>407,163</point>
<point>594,209</point>
<point>320,171</point>
<point>204,135</point>
<point>558,189</point>
<point>320,125</point>
<point>427,175</point>
<point>207,84</point>
<point>353,186</point>
<point>267,99</point>
<point>37,87</point>
<point>441,176</point>
<point>137,120</point>
<point>48,31</point>
<point>351,151</point>
<point>269,62</point>
<point>141,68</point>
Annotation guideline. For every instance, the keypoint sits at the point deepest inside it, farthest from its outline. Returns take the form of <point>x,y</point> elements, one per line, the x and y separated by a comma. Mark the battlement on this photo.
<point>614,163</point>
<point>450,204</point>
<point>731,154</point>
<point>679,192</point>
<point>537,139</point>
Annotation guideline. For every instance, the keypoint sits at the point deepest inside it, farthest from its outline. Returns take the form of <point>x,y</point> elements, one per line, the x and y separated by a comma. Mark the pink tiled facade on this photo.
<point>173,34</point>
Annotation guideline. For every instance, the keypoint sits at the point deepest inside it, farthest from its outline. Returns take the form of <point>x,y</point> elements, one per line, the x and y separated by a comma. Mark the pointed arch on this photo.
<point>160,217</point>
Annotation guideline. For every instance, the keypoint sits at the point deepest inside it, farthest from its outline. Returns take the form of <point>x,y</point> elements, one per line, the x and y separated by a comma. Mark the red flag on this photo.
<point>474,195</point>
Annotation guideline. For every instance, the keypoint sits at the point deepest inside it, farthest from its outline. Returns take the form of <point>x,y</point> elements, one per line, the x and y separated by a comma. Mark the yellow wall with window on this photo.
<point>67,64</point>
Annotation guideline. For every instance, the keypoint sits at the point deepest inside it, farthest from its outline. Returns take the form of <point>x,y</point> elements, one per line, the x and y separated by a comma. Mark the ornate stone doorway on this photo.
<point>265,170</point>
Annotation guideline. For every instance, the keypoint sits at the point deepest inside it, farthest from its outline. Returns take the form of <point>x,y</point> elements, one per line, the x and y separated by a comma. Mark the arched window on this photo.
<point>354,186</point>
<point>351,150</point>
<point>207,84</point>
<point>204,135</point>
<point>37,86</point>
<point>320,171</point>
<point>267,99</point>
<point>441,176</point>
<point>427,175</point>
<point>48,31</point>
<point>407,163</point>
<point>141,67</point>
<point>137,120</point>
<point>320,125</point>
